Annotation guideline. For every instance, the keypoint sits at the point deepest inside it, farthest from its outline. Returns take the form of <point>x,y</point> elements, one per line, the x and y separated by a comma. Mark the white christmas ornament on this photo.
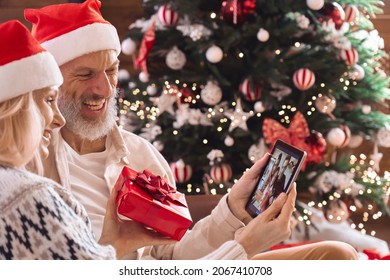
<point>357,73</point>
<point>366,109</point>
<point>128,46</point>
<point>263,35</point>
<point>151,89</point>
<point>143,77</point>
<point>214,54</point>
<point>175,59</point>
<point>229,141</point>
<point>383,137</point>
<point>259,107</point>
<point>339,136</point>
<point>315,4</point>
<point>211,94</point>
<point>123,75</point>
<point>356,141</point>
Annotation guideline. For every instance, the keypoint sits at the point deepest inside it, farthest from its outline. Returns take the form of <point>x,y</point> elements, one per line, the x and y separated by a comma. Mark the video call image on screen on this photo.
<point>275,179</point>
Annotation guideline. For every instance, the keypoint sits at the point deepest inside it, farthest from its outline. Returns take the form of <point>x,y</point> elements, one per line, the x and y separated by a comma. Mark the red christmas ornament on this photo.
<point>167,16</point>
<point>303,79</point>
<point>350,56</point>
<point>333,11</point>
<point>181,171</point>
<point>221,173</point>
<point>238,11</point>
<point>250,90</point>
<point>317,147</point>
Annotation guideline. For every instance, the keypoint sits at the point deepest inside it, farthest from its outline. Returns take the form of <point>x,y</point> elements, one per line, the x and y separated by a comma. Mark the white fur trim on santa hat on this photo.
<point>28,74</point>
<point>87,39</point>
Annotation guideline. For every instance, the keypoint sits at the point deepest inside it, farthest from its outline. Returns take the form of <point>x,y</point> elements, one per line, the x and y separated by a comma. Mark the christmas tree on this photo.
<point>217,82</point>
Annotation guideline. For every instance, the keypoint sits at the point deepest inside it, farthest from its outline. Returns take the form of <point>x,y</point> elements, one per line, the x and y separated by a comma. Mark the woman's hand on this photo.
<point>239,195</point>
<point>271,227</point>
<point>127,236</point>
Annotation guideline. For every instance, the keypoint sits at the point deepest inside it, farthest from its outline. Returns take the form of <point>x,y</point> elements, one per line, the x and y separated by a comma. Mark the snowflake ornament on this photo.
<point>335,36</point>
<point>150,133</point>
<point>194,31</point>
<point>215,156</point>
<point>165,103</point>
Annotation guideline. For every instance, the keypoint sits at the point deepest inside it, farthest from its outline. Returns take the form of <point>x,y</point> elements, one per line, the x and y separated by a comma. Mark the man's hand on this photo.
<point>127,236</point>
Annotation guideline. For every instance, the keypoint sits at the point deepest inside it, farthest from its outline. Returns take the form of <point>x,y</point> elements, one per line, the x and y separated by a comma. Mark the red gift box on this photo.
<point>150,200</point>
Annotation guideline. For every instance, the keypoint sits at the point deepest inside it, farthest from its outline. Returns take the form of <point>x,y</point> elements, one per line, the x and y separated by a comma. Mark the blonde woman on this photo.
<point>39,219</point>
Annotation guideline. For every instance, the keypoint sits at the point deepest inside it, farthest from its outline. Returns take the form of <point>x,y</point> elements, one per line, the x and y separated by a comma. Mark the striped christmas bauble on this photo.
<point>303,78</point>
<point>221,173</point>
<point>350,56</point>
<point>351,14</point>
<point>181,171</point>
<point>250,90</point>
<point>167,16</point>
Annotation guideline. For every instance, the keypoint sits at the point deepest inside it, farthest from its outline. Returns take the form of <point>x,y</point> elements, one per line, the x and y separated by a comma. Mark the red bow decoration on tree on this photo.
<point>158,188</point>
<point>295,134</point>
<point>298,135</point>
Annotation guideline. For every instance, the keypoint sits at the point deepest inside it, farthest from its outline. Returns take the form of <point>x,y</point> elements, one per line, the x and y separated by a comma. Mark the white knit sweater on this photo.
<point>39,219</point>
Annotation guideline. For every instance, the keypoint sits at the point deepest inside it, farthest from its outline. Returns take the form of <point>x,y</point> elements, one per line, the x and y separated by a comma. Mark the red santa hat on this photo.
<point>71,30</point>
<point>22,57</point>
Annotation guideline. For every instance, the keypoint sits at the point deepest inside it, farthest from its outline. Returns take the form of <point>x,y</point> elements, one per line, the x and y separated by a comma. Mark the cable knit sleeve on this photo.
<point>36,223</point>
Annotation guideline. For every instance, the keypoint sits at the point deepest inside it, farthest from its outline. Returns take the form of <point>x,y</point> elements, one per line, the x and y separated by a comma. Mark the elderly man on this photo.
<point>90,150</point>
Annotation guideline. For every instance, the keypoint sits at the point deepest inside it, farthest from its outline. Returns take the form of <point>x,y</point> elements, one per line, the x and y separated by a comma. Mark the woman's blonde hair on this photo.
<point>21,129</point>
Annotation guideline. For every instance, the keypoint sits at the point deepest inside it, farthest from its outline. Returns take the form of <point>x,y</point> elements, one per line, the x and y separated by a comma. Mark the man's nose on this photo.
<point>103,85</point>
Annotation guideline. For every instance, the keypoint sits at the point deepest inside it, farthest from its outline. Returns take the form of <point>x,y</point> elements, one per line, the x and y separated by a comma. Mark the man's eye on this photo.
<point>112,71</point>
<point>50,100</point>
<point>84,75</point>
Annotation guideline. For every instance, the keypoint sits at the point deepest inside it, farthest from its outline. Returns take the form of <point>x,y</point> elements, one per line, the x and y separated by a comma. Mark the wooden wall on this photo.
<point>121,13</point>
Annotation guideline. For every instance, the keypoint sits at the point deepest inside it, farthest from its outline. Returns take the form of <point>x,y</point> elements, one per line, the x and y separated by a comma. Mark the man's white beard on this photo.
<point>91,130</point>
